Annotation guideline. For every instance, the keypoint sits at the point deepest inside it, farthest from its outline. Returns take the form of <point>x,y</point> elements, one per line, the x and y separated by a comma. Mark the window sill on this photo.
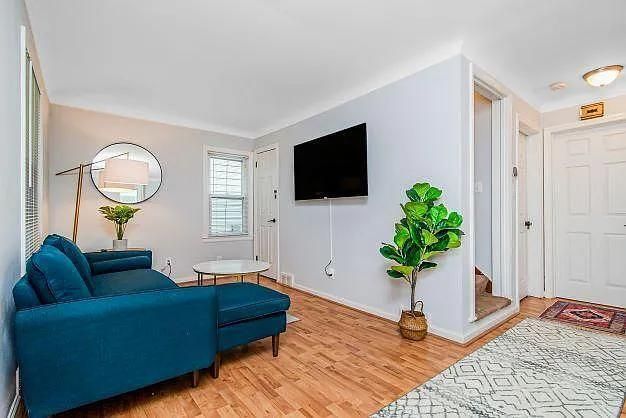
<point>227,238</point>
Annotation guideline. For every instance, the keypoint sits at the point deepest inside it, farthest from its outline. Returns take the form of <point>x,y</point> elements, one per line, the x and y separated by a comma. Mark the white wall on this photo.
<point>482,181</point>
<point>414,134</point>
<point>568,115</point>
<point>12,16</point>
<point>169,223</point>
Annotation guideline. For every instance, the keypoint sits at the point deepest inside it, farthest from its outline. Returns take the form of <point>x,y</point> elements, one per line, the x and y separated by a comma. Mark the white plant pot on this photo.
<point>120,244</point>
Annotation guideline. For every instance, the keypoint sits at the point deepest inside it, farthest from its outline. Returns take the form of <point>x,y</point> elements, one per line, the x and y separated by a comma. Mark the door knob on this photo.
<point>273,220</point>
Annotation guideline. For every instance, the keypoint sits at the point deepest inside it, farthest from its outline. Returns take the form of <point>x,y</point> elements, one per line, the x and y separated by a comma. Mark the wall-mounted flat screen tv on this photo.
<point>332,166</point>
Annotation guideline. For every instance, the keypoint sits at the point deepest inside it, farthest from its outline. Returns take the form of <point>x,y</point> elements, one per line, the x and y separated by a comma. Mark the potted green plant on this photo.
<point>427,230</point>
<point>119,215</point>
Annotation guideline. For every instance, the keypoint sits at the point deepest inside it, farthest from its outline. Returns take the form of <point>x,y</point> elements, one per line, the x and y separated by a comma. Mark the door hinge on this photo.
<point>256,164</point>
<point>514,171</point>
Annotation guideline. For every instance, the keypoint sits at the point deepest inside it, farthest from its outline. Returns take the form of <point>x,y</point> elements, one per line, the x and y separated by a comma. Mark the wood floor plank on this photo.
<point>334,362</point>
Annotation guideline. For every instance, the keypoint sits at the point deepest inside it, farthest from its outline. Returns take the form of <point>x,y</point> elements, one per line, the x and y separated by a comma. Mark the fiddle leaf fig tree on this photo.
<point>119,215</point>
<point>427,230</point>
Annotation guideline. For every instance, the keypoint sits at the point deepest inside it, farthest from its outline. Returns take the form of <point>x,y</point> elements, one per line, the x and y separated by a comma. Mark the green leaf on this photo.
<point>405,270</point>
<point>429,254</point>
<point>395,274</point>
<point>441,244</point>
<point>427,230</point>
<point>437,213</point>
<point>415,232</point>
<point>454,241</point>
<point>421,189</point>
<point>388,251</point>
<point>432,194</point>
<point>402,234</point>
<point>456,232</point>
<point>119,214</point>
<point>413,256</point>
<point>415,210</point>
<point>427,265</point>
<point>454,220</point>
<point>412,195</point>
<point>428,237</point>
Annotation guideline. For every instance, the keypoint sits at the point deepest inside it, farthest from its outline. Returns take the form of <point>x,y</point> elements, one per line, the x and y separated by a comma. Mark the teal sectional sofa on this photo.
<point>89,326</point>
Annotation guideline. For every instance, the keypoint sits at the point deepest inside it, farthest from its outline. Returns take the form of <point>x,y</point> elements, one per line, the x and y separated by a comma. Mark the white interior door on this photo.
<point>266,209</point>
<point>524,223</point>
<point>589,201</point>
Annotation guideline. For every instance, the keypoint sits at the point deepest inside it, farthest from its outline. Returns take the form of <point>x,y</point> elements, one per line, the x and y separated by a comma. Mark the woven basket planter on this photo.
<point>413,326</point>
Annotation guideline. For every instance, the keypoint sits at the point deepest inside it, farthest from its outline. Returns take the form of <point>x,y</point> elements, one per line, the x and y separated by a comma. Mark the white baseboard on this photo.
<point>184,279</point>
<point>14,405</point>
<point>479,327</point>
<point>440,332</point>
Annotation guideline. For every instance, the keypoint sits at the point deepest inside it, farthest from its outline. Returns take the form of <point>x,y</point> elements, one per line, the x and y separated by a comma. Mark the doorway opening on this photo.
<point>488,287</point>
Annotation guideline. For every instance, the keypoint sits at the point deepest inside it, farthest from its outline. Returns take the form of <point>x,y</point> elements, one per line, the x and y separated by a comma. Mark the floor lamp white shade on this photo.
<point>121,175</point>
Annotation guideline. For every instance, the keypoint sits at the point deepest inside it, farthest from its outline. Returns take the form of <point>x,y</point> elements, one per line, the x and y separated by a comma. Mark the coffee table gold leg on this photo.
<point>214,279</point>
<point>258,278</point>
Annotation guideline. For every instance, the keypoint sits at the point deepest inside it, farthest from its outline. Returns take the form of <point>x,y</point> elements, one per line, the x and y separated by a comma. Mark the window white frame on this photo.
<point>206,194</point>
<point>25,74</point>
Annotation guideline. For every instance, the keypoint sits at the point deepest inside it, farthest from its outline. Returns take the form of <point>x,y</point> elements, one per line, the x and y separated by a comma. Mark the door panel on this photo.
<point>616,175</point>
<point>616,260</point>
<point>266,209</point>
<point>522,210</point>
<point>589,197</point>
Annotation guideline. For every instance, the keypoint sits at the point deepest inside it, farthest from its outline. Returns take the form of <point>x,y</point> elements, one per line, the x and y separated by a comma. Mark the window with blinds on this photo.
<point>227,176</point>
<point>30,162</point>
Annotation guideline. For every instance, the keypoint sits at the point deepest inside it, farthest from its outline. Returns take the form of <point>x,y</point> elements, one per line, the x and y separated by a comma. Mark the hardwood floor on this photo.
<point>334,362</point>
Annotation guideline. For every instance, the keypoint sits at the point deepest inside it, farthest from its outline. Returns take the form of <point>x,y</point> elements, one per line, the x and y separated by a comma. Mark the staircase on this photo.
<point>486,303</point>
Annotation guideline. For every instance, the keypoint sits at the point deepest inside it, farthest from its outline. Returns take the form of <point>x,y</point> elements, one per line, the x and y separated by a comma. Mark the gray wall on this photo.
<point>12,16</point>
<point>414,134</point>
<point>169,223</point>
<point>482,175</point>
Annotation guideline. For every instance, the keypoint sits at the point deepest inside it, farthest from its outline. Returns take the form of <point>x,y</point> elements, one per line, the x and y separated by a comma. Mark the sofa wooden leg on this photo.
<point>275,342</point>
<point>215,368</point>
<point>195,378</point>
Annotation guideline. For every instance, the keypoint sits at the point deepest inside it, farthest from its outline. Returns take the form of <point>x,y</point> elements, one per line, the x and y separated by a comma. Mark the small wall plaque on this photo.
<point>593,110</point>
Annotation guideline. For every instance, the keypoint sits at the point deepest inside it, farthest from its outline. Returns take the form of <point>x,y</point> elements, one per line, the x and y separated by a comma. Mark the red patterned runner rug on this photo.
<point>587,315</point>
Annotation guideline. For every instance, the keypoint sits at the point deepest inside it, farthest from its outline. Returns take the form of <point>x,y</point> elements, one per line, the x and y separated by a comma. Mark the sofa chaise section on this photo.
<point>134,327</point>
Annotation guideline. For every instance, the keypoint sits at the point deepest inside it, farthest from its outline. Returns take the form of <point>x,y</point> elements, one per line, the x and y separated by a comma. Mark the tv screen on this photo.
<point>334,165</point>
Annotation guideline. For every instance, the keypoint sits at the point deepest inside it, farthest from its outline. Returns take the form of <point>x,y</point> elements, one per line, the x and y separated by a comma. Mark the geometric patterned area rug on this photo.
<point>537,368</point>
<point>587,315</point>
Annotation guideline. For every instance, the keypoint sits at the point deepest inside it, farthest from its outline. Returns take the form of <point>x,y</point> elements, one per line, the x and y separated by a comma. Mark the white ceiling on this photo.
<point>250,67</point>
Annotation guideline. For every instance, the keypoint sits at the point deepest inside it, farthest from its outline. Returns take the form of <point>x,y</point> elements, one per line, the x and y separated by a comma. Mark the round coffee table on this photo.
<point>230,268</point>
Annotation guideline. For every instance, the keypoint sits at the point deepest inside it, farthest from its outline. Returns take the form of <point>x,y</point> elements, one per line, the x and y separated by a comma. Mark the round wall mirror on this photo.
<point>126,173</point>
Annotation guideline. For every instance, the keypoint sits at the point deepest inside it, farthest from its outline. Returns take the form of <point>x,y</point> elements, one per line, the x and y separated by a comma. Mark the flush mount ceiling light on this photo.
<point>603,76</point>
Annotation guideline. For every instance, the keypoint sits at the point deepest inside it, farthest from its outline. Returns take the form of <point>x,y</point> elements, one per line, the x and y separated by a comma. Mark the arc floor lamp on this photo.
<point>122,174</point>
